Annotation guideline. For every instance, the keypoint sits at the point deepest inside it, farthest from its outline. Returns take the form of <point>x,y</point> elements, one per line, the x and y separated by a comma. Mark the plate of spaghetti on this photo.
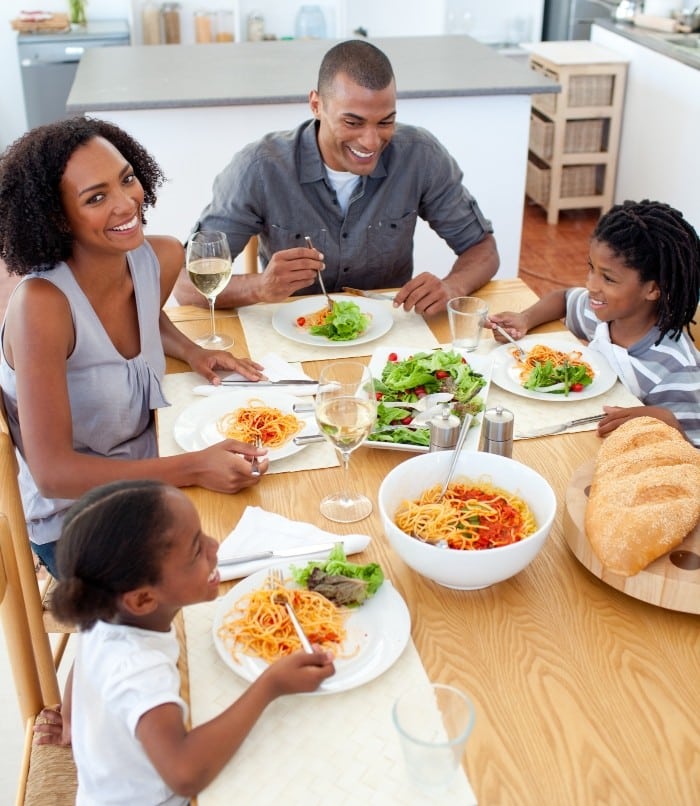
<point>473,514</point>
<point>365,320</point>
<point>552,370</point>
<point>244,415</point>
<point>250,632</point>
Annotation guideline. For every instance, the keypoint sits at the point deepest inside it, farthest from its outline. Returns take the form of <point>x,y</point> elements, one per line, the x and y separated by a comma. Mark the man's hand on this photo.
<point>288,272</point>
<point>425,294</point>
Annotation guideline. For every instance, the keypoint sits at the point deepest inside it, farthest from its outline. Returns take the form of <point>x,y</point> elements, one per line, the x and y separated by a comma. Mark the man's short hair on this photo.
<point>365,64</point>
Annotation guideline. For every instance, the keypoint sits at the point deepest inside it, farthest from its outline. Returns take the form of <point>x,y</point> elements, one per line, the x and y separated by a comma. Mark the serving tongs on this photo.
<point>307,238</point>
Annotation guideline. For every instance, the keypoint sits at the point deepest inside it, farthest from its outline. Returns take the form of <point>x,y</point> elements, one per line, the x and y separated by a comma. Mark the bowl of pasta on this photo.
<point>489,525</point>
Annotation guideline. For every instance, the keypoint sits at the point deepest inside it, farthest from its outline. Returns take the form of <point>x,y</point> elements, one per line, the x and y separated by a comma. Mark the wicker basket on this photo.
<point>580,136</point>
<point>576,180</point>
<point>584,89</point>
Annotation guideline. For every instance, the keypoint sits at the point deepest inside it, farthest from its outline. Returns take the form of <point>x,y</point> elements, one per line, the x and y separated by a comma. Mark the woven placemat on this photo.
<point>262,338</point>
<point>177,388</point>
<point>327,749</point>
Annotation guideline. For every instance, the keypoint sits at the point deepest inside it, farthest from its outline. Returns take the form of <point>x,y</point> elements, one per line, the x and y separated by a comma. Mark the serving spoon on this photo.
<point>466,423</point>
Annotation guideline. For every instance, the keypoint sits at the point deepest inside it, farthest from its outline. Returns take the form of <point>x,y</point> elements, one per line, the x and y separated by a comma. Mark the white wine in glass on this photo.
<point>209,266</point>
<point>346,409</point>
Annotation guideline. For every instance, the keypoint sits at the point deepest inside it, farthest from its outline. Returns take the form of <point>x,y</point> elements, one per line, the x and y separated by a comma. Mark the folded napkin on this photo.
<point>275,369</point>
<point>259,530</point>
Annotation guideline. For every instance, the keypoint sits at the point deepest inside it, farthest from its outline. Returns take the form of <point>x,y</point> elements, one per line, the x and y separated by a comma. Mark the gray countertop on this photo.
<point>659,41</point>
<point>171,76</point>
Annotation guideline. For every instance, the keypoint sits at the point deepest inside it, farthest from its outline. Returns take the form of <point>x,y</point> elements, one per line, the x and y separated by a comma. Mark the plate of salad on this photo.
<point>403,374</point>
<point>562,371</point>
<point>353,320</point>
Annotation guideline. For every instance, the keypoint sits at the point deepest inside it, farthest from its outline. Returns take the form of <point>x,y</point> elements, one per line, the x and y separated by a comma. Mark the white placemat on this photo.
<point>178,387</point>
<point>312,750</point>
<point>262,338</point>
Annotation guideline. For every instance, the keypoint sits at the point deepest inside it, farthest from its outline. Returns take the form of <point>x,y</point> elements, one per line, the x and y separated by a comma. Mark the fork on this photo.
<point>307,238</point>
<point>255,465</point>
<point>275,582</point>
<point>521,353</point>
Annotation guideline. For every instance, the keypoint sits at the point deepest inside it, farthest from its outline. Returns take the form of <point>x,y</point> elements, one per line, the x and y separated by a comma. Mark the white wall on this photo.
<point>13,121</point>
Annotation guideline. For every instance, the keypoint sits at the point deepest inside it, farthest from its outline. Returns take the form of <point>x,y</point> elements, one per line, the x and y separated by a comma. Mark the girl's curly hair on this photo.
<point>656,241</point>
<point>34,232</point>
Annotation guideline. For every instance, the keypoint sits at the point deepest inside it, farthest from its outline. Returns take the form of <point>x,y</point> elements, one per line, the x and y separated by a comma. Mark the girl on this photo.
<point>131,554</point>
<point>642,292</point>
<point>84,335</point>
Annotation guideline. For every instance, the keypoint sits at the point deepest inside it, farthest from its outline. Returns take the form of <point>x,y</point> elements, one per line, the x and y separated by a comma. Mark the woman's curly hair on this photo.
<point>656,241</point>
<point>34,232</point>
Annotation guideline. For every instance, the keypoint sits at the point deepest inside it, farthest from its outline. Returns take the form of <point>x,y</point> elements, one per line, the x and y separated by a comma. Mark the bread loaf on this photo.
<point>644,497</point>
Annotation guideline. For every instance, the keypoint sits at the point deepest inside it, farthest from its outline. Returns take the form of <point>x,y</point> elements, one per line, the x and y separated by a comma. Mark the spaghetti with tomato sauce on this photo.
<point>471,516</point>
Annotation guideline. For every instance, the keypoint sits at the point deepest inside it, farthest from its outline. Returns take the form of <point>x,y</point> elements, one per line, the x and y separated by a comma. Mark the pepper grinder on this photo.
<point>497,432</point>
<point>444,430</point>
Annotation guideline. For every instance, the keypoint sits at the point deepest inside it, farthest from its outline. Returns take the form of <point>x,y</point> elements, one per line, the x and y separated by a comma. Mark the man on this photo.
<point>353,181</point>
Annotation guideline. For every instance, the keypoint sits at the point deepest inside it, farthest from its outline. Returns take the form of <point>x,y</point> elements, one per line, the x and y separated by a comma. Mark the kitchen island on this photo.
<point>194,106</point>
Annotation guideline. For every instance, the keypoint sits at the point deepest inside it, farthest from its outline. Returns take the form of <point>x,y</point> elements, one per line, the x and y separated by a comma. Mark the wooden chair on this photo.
<point>11,505</point>
<point>250,256</point>
<point>48,774</point>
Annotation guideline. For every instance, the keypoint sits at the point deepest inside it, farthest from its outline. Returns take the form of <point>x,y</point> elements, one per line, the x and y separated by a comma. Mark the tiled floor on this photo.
<point>551,257</point>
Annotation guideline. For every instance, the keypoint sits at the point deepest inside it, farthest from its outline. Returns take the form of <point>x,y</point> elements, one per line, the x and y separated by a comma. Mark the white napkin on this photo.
<point>259,530</point>
<point>275,368</point>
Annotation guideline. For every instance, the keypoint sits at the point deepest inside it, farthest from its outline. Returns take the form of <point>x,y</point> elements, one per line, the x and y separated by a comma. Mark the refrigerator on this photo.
<point>572,19</point>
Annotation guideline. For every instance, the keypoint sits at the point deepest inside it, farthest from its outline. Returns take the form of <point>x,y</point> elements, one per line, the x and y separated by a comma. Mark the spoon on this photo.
<point>458,448</point>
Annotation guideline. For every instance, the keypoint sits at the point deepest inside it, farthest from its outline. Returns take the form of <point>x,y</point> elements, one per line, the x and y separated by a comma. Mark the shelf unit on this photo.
<point>575,134</point>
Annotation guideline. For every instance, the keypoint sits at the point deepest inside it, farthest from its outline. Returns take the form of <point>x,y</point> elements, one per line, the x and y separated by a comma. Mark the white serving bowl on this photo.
<point>454,568</point>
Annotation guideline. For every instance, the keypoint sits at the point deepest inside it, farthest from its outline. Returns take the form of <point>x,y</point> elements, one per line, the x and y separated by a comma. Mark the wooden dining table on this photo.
<point>583,695</point>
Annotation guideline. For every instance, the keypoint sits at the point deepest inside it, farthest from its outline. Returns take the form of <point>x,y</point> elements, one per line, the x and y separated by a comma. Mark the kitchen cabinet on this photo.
<point>574,136</point>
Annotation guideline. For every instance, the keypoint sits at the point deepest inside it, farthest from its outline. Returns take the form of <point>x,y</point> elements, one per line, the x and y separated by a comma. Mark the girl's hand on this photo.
<point>226,466</point>
<point>50,727</point>
<point>616,415</point>
<point>514,323</point>
<point>300,672</point>
<point>206,362</point>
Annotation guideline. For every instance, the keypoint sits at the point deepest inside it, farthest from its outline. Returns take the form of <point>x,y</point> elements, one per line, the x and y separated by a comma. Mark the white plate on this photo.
<point>381,627</point>
<point>507,375</point>
<point>284,320</point>
<point>479,363</point>
<point>195,428</point>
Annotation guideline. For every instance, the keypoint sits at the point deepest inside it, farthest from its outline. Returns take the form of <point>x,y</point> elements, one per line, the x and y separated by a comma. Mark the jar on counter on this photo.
<point>150,24</point>
<point>203,26</point>
<point>224,26</point>
<point>256,26</point>
<point>170,13</point>
<point>310,23</point>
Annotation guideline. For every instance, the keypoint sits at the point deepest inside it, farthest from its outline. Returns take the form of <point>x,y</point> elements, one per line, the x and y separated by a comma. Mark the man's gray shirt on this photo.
<point>277,189</point>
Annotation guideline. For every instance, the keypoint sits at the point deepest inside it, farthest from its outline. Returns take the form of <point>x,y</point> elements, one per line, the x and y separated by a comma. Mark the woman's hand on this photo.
<point>226,466</point>
<point>207,362</point>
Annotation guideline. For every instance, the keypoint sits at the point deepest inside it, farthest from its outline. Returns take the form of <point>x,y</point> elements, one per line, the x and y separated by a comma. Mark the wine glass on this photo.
<point>208,264</point>
<point>346,409</point>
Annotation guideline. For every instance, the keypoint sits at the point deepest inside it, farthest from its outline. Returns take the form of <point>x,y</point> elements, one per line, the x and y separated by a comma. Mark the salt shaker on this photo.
<point>444,430</point>
<point>497,431</point>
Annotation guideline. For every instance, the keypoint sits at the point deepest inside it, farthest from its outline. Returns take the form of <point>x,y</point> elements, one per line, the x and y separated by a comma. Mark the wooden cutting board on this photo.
<point>671,581</point>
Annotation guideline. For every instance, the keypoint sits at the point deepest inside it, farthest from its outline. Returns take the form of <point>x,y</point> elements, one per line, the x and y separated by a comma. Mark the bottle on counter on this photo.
<point>170,13</point>
<point>150,24</point>
<point>203,26</point>
<point>256,26</point>
<point>224,26</point>
<point>310,23</point>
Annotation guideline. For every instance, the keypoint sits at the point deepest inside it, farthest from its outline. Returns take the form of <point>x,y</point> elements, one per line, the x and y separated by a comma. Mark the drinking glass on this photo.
<point>346,409</point>
<point>209,266</point>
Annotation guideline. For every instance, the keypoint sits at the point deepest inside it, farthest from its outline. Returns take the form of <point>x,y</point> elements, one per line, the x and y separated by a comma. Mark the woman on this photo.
<point>84,335</point>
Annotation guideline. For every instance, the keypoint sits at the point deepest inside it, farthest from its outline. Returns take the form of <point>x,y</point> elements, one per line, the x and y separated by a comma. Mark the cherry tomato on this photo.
<point>442,373</point>
<point>393,357</point>
<point>301,321</point>
<point>464,360</point>
<point>419,391</point>
<point>406,420</point>
<point>378,395</point>
<point>576,387</point>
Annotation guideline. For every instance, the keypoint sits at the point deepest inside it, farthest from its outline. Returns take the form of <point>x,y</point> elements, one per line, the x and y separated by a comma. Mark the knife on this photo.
<point>558,429</point>
<point>286,382</point>
<point>299,551</point>
<point>359,292</point>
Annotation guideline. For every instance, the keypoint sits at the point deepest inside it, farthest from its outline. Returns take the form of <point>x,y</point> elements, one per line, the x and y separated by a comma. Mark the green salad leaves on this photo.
<point>414,377</point>
<point>346,321</point>
<point>545,377</point>
<point>344,583</point>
